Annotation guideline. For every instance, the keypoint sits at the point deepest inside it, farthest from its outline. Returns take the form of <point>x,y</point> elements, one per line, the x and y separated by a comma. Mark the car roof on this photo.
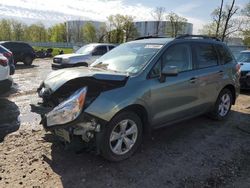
<point>13,42</point>
<point>2,47</point>
<point>153,41</point>
<point>166,40</point>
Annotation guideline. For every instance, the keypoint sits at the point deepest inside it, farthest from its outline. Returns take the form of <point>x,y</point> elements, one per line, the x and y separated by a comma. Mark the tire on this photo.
<point>28,60</point>
<point>129,143</point>
<point>222,106</point>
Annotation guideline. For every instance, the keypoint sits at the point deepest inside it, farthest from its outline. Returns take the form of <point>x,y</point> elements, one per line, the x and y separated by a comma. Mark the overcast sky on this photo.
<point>196,11</point>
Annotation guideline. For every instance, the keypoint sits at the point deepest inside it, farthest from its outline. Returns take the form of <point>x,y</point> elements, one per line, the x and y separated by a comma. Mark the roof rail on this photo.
<point>149,37</point>
<point>187,36</point>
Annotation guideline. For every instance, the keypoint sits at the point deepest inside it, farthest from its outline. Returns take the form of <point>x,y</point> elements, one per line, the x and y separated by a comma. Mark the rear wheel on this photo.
<point>121,137</point>
<point>223,105</point>
<point>28,60</point>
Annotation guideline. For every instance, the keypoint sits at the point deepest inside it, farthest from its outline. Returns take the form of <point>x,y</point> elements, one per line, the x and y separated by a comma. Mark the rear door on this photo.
<point>209,74</point>
<point>177,97</point>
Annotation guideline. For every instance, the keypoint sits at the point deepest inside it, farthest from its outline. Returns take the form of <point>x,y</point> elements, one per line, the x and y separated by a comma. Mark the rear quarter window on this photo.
<point>206,55</point>
<point>225,55</point>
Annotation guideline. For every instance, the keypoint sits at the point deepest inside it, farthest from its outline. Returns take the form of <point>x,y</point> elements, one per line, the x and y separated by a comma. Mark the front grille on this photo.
<point>57,60</point>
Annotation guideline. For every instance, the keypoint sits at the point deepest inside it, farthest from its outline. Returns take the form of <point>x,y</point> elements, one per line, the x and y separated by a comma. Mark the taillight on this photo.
<point>7,54</point>
<point>237,67</point>
<point>4,62</point>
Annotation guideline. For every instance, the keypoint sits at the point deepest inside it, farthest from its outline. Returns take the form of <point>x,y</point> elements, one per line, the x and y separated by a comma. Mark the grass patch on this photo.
<point>55,50</point>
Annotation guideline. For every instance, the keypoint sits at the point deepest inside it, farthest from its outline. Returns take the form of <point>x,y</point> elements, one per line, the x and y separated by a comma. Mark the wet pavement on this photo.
<point>196,153</point>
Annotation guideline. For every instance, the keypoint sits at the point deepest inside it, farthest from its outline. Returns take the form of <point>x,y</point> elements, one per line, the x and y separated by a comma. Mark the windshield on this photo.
<point>244,58</point>
<point>128,57</point>
<point>85,49</point>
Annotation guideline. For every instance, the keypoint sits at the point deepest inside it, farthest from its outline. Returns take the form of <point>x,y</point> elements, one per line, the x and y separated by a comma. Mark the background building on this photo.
<point>145,28</point>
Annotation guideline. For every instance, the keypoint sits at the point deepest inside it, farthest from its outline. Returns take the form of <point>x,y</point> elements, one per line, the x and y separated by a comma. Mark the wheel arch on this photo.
<point>141,112</point>
<point>233,91</point>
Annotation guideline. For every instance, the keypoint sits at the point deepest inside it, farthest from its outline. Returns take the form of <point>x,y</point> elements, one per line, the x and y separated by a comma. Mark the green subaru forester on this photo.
<point>136,87</point>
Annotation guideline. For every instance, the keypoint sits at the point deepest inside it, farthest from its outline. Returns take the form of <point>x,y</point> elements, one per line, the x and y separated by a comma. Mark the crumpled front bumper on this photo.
<point>85,126</point>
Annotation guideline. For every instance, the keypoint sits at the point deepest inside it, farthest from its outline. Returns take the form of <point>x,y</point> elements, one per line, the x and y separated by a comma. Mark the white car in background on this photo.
<point>84,56</point>
<point>244,61</point>
<point>5,79</point>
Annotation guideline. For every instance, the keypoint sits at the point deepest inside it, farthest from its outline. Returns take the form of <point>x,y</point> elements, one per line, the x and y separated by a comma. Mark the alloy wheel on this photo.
<point>123,137</point>
<point>224,105</point>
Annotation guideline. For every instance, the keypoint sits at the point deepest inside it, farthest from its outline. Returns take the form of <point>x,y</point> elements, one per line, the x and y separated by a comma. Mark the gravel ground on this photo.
<point>197,153</point>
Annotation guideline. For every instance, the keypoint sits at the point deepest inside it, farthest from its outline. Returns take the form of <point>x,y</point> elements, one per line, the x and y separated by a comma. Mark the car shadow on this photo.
<point>22,66</point>
<point>167,157</point>
<point>245,92</point>
<point>9,118</point>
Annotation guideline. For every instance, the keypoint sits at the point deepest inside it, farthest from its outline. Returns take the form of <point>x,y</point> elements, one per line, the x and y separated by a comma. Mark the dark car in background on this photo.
<point>8,54</point>
<point>244,61</point>
<point>22,51</point>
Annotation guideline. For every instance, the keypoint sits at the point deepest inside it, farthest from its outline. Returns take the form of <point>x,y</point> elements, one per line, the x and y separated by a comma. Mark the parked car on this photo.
<point>244,61</point>
<point>8,54</point>
<point>5,79</point>
<point>139,86</point>
<point>22,52</point>
<point>82,57</point>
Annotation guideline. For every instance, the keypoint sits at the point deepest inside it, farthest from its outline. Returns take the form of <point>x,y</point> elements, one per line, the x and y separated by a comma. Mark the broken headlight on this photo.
<point>68,110</point>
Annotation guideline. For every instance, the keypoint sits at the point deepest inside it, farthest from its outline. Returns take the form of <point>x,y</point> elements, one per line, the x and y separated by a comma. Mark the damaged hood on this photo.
<point>58,78</point>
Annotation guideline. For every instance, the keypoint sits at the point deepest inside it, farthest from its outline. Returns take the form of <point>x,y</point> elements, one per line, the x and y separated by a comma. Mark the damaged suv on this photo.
<point>139,86</point>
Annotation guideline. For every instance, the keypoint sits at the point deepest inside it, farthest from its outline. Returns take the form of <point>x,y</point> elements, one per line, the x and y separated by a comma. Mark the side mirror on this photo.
<point>168,71</point>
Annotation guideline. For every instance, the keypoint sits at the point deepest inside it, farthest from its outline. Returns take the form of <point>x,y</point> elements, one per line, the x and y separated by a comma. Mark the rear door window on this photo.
<point>206,55</point>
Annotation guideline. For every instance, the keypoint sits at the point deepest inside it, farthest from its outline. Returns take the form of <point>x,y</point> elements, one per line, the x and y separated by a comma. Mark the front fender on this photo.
<point>109,103</point>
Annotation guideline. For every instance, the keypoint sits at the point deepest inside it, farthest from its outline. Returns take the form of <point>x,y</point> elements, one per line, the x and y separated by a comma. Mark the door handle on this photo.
<point>221,72</point>
<point>193,80</point>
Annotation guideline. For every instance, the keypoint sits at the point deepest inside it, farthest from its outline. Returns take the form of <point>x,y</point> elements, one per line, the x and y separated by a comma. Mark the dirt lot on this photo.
<point>196,153</point>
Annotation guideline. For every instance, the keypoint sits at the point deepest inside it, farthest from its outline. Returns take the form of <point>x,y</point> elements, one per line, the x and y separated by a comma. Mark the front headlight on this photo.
<point>68,110</point>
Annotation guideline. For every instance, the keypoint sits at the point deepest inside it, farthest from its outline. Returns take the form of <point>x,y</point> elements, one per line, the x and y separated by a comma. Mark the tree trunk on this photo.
<point>229,15</point>
<point>218,23</point>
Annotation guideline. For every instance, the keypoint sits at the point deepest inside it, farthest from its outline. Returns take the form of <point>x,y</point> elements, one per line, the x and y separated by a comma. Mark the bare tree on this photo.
<point>224,23</point>
<point>158,15</point>
<point>230,11</point>
<point>121,28</point>
<point>246,28</point>
<point>218,22</point>
<point>177,24</point>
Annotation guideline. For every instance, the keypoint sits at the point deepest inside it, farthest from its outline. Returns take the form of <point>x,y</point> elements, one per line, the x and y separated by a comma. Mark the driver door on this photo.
<point>177,96</point>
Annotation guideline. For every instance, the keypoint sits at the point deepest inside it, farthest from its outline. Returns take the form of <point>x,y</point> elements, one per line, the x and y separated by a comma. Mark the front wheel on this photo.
<point>223,105</point>
<point>121,137</point>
